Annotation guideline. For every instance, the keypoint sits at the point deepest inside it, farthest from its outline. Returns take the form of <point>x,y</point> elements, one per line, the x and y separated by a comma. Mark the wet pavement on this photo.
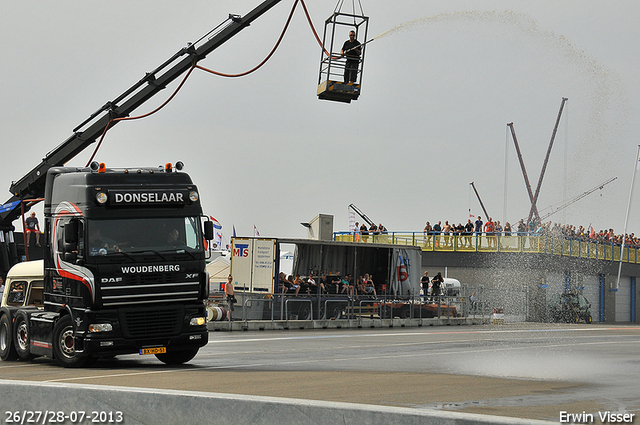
<point>526,370</point>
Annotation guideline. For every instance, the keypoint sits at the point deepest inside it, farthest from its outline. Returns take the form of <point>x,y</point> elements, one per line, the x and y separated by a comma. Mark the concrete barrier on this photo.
<point>22,400</point>
<point>268,325</point>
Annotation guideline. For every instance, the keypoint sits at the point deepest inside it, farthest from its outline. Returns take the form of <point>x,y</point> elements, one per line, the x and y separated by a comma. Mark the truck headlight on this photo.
<point>101,198</point>
<point>197,321</point>
<point>100,327</point>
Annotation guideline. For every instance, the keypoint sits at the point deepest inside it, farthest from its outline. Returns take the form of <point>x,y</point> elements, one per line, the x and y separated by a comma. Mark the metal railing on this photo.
<point>308,314</point>
<point>336,307</point>
<point>517,242</point>
<point>471,302</point>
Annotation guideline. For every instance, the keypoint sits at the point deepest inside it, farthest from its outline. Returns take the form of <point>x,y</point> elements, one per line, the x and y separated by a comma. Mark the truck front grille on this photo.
<point>149,288</point>
<point>151,322</point>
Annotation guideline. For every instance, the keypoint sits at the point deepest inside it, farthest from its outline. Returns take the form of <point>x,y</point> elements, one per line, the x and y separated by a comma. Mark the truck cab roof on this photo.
<point>27,269</point>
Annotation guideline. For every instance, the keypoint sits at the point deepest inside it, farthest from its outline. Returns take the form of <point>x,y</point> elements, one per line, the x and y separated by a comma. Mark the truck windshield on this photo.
<point>162,235</point>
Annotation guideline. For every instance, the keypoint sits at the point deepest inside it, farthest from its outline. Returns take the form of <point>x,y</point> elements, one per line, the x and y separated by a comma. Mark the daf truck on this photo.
<point>123,270</point>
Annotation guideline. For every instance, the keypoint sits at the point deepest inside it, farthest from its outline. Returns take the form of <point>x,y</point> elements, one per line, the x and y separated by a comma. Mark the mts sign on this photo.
<point>241,250</point>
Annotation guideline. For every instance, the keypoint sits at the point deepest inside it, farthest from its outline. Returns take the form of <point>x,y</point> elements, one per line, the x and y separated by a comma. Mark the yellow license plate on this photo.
<point>154,350</point>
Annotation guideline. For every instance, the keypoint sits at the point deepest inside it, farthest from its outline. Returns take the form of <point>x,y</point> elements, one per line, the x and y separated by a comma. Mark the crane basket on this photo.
<point>332,81</point>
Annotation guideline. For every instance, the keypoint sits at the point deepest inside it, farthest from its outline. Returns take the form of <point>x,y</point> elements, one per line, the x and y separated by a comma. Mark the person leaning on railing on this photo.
<point>427,232</point>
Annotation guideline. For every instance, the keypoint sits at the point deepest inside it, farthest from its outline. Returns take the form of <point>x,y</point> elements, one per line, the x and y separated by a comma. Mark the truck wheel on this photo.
<point>7,350</point>
<point>385,312</point>
<point>177,357</point>
<point>406,313</point>
<point>336,313</point>
<point>304,313</point>
<point>64,344</point>
<point>22,337</point>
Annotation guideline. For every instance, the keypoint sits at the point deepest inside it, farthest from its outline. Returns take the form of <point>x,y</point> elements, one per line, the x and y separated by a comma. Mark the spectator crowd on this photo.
<point>495,228</point>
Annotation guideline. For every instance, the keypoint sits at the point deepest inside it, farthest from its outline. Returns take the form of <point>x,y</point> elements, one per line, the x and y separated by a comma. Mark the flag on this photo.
<point>638,164</point>
<point>216,223</point>
<point>255,231</point>
<point>217,239</point>
<point>234,231</point>
<point>352,220</point>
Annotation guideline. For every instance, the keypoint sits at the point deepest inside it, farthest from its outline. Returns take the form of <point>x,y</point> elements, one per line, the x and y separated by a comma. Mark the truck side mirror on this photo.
<point>71,257</point>
<point>71,232</point>
<point>208,230</point>
<point>70,241</point>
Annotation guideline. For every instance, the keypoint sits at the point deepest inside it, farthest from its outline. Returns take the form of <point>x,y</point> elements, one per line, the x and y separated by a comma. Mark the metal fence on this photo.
<point>470,302</point>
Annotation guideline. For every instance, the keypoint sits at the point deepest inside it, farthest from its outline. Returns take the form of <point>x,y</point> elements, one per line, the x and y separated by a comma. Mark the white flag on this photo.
<point>352,221</point>
<point>255,231</point>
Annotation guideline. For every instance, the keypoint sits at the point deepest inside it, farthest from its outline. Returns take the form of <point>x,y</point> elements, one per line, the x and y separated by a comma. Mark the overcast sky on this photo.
<point>437,94</point>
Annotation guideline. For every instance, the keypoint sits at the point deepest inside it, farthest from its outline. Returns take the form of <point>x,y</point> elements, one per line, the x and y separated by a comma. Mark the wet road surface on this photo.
<point>525,370</point>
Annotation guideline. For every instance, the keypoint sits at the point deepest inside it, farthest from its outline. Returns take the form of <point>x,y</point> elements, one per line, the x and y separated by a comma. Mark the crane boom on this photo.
<point>480,200</point>
<point>32,184</point>
<point>523,168</point>
<point>577,198</point>
<point>361,214</point>
<point>534,209</point>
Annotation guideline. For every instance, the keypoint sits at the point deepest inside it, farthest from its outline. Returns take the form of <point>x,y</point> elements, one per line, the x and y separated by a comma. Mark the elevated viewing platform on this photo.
<point>515,243</point>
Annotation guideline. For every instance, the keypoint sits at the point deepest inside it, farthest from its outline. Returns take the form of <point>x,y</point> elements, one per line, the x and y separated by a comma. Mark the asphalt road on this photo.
<point>527,371</point>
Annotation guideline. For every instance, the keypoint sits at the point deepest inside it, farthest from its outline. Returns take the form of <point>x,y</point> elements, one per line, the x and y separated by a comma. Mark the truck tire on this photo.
<point>385,312</point>
<point>335,313</point>
<point>7,350</point>
<point>22,338</point>
<point>304,313</point>
<point>64,344</point>
<point>177,357</point>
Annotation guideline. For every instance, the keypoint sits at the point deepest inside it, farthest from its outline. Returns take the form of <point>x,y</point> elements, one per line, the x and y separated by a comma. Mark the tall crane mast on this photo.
<point>524,170</point>
<point>534,208</point>
<point>31,186</point>
<point>533,197</point>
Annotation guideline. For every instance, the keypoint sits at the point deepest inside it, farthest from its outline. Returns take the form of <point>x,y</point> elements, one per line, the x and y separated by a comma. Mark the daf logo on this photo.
<point>192,275</point>
<point>111,279</point>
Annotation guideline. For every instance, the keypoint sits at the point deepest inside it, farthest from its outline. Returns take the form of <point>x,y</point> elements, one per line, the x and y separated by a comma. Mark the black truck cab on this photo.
<point>124,267</point>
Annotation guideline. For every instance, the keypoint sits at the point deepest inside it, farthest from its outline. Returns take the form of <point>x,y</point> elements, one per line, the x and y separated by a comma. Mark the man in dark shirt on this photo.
<point>352,49</point>
<point>436,285</point>
<point>479,226</point>
<point>468,231</point>
<point>32,226</point>
<point>424,281</point>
